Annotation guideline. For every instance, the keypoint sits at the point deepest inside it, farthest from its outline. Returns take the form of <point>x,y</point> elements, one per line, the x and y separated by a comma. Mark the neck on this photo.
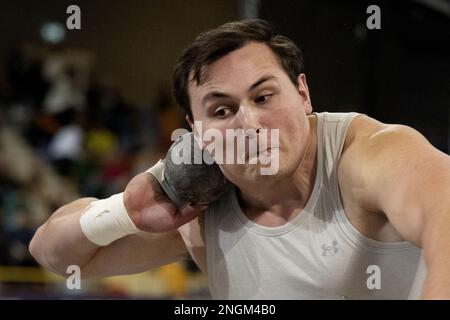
<point>292,193</point>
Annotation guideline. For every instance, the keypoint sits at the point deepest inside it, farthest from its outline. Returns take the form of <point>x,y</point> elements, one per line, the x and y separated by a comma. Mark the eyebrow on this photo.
<point>218,94</point>
<point>260,81</point>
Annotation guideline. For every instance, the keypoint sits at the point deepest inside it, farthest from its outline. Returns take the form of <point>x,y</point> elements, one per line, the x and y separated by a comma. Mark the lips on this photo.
<point>265,153</point>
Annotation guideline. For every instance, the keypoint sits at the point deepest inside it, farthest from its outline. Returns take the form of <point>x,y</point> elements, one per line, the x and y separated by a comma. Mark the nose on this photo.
<point>249,120</point>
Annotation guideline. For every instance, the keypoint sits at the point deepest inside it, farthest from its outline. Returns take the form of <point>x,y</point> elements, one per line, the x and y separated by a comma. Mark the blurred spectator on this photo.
<point>24,65</point>
<point>64,134</point>
<point>170,117</point>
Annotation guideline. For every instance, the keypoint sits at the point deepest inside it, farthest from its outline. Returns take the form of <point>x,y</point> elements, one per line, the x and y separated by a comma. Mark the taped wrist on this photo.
<point>107,220</point>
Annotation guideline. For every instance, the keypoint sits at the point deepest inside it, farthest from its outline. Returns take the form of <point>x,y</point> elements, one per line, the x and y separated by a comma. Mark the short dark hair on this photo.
<point>212,45</point>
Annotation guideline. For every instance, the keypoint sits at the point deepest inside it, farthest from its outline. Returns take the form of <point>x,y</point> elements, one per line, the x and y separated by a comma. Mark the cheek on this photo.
<point>285,108</point>
<point>225,148</point>
<point>291,135</point>
<point>234,173</point>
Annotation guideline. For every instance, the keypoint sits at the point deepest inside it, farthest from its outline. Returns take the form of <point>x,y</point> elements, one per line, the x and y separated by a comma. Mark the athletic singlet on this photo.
<point>316,255</point>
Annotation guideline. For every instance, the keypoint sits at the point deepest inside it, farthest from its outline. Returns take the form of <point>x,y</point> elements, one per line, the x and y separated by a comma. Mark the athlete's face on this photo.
<point>248,89</point>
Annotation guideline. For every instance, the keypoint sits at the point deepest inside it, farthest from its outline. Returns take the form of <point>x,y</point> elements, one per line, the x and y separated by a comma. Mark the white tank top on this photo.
<point>316,255</point>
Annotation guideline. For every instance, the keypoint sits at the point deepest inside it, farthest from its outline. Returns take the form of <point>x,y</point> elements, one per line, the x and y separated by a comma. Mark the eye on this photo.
<point>263,98</point>
<point>222,112</point>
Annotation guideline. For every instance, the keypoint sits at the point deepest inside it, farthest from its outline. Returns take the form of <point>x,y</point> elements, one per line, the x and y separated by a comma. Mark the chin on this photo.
<point>252,174</point>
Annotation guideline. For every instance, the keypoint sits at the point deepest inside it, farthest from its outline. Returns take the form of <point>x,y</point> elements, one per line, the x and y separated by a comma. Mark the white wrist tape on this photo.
<point>107,220</point>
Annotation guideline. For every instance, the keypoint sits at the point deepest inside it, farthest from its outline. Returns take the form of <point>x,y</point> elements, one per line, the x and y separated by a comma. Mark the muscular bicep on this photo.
<point>136,253</point>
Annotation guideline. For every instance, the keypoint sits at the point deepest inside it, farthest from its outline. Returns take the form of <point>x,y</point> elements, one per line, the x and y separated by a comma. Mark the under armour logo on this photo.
<point>330,250</point>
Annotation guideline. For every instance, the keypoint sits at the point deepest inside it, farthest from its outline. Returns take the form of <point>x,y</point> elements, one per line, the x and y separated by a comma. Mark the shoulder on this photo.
<point>375,152</point>
<point>368,139</point>
<point>360,129</point>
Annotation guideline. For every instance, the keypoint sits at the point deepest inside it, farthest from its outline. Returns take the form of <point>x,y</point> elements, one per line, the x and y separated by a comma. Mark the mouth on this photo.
<point>266,153</point>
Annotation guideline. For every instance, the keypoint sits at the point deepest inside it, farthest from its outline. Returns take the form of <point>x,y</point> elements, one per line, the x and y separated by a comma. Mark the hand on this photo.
<point>151,210</point>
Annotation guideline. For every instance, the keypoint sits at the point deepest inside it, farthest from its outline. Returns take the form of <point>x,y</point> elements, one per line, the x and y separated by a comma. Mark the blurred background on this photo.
<point>83,111</point>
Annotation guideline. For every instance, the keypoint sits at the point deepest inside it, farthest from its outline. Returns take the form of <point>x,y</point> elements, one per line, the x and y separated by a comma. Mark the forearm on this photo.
<point>60,242</point>
<point>435,244</point>
<point>436,286</point>
<point>126,233</point>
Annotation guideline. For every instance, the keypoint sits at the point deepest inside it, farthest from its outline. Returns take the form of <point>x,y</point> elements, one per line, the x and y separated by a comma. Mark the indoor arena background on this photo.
<point>82,111</point>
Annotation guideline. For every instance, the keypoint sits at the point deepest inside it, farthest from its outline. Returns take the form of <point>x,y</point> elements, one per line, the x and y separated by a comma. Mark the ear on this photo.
<point>197,137</point>
<point>303,90</point>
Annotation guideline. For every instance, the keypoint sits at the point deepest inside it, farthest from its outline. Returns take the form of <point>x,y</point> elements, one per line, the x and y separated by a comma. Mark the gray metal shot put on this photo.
<point>191,175</point>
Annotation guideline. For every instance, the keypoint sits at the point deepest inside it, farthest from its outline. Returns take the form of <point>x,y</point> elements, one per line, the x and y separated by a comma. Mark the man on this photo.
<point>353,207</point>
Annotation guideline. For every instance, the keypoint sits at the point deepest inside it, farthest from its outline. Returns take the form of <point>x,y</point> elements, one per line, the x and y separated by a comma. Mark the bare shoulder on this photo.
<point>351,165</point>
<point>374,150</point>
<point>369,139</point>
<point>360,129</point>
<point>192,234</point>
<point>359,132</point>
<point>370,147</point>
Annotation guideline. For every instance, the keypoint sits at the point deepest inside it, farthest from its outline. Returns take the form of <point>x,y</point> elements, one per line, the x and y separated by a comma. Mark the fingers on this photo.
<point>189,213</point>
<point>164,216</point>
<point>187,210</point>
